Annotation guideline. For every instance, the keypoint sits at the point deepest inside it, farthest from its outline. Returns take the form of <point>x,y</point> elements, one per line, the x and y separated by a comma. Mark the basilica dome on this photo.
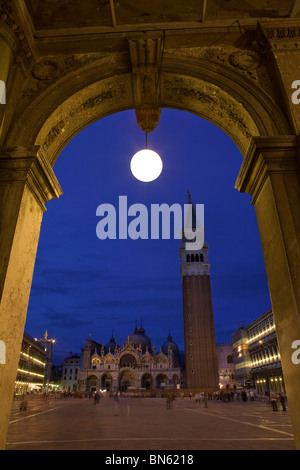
<point>110,346</point>
<point>139,339</point>
<point>170,343</point>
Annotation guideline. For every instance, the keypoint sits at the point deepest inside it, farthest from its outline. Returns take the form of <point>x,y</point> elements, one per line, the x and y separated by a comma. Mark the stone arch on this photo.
<point>128,360</point>
<point>106,381</point>
<point>93,383</point>
<point>146,381</point>
<point>231,101</point>
<point>223,84</point>
<point>96,359</point>
<point>127,379</point>
<point>161,380</point>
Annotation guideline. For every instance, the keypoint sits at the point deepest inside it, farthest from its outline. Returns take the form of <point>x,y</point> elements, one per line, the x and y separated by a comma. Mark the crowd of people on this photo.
<point>270,397</point>
<point>274,399</point>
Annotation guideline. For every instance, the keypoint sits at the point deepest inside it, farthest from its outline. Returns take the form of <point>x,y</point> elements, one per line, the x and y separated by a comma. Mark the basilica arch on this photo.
<point>161,381</point>
<point>60,77</point>
<point>92,383</point>
<point>106,381</point>
<point>126,379</point>
<point>146,381</point>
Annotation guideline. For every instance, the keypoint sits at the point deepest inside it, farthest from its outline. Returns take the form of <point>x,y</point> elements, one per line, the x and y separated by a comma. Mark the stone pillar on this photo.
<point>270,173</point>
<point>26,182</point>
<point>282,54</point>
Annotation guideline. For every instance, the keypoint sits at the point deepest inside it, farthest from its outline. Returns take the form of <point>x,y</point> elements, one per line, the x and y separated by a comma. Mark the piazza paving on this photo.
<point>147,424</point>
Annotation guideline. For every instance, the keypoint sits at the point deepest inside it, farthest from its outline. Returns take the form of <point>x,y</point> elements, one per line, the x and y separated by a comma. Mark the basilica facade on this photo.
<point>134,366</point>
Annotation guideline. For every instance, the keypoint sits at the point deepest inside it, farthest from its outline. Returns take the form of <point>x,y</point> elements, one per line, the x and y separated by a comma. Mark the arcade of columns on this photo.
<point>239,73</point>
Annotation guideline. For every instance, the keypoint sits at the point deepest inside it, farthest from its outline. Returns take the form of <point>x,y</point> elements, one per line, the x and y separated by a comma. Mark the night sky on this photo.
<point>83,285</point>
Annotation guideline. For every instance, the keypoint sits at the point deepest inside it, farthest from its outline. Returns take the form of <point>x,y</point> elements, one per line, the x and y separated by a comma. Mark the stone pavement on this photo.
<point>146,424</point>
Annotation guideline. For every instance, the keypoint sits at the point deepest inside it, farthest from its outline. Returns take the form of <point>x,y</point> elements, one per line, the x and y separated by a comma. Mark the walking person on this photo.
<point>97,398</point>
<point>282,401</point>
<point>117,403</point>
<point>168,402</point>
<point>204,397</point>
<point>273,400</point>
<point>172,399</point>
<point>24,404</point>
<point>128,404</point>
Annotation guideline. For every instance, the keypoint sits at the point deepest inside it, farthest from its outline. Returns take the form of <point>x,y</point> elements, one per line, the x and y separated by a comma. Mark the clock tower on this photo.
<point>201,363</point>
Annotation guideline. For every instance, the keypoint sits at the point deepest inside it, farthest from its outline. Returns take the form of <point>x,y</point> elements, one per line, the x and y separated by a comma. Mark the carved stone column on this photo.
<point>270,173</point>
<point>26,182</point>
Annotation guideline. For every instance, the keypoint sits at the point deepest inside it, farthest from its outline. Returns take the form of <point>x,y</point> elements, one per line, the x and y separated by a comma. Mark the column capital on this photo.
<point>29,165</point>
<point>265,156</point>
<point>281,34</point>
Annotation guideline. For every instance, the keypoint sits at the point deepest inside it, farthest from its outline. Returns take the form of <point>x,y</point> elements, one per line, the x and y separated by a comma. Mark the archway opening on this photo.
<point>77,271</point>
<point>146,381</point>
<point>106,382</point>
<point>126,380</point>
<point>92,383</point>
<point>162,381</point>
<point>128,360</point>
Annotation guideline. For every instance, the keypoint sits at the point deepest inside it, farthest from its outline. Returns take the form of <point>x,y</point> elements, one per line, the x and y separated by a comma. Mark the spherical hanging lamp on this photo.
<point>146,165</point>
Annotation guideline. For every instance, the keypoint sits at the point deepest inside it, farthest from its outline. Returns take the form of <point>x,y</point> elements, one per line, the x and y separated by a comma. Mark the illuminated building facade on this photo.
<point>241,357</point>
<point>32,365</point>
<point>70,369</point>
<point>256,355</point>
<point>226,366</point>
<point>135,365</point>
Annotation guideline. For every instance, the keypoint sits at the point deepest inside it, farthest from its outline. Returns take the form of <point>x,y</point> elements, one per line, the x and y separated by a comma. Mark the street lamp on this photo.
<point>146,165</point>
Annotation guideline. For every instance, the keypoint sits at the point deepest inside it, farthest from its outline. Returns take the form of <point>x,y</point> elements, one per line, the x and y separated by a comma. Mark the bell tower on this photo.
<point>201,363</point>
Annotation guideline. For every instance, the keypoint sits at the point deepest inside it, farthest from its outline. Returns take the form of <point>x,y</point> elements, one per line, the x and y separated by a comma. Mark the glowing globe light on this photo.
<point>146,165</point>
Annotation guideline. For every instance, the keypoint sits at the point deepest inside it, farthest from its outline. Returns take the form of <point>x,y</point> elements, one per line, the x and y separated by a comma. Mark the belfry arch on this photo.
<point>236,74</point>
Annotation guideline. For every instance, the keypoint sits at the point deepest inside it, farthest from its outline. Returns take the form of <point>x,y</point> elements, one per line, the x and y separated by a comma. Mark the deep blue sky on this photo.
<point>83,285</point>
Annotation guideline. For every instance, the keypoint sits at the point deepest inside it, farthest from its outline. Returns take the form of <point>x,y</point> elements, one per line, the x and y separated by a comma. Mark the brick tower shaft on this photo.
<point>201,363</point>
